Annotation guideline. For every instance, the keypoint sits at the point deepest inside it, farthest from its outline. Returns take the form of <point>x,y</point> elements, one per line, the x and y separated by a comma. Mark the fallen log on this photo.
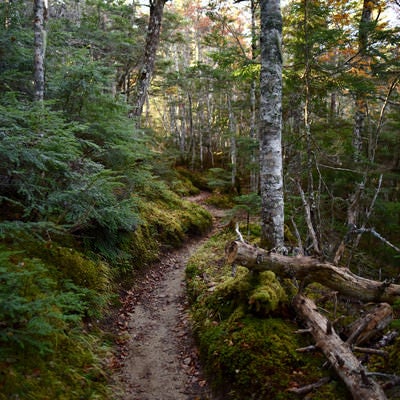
<point>339,355</point>
<point>309,269</point>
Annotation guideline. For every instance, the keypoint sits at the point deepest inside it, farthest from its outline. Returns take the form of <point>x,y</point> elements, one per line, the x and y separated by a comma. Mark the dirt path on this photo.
<point>158,358</point>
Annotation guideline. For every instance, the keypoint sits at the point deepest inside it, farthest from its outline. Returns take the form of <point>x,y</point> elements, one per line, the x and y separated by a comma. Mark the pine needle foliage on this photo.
<point>33,311</point>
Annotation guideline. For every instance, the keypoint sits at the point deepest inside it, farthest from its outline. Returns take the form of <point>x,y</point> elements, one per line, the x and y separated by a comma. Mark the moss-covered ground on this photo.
<point>246,331</point>
<point>54,292</point>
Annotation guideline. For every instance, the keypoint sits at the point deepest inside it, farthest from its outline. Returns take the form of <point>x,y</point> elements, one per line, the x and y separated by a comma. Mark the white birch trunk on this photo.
<point>40,15</point>
<point>253,129</point>
<point>271,179</point>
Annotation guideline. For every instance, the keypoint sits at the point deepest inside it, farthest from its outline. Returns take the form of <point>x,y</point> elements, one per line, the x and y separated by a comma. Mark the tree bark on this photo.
<point>309,269</point>
<point>147,68</point>
<point>254,171</point>
<point>339,355</point>
<point>271,179</point>
<point>40,16</point>
<point>364,67</point>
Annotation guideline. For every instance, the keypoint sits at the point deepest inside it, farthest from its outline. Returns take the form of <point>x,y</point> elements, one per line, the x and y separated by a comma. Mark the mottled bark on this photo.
<point>253,129</point>
<point>147,66</point>
<point>40,15</point>
<point>271,180</point>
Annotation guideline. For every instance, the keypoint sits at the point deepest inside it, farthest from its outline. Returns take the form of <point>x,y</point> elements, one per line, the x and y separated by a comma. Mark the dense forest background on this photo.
<point>89,194</point>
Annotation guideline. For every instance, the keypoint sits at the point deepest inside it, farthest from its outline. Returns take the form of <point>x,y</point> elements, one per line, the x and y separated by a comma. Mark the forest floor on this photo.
<point>157,358</point>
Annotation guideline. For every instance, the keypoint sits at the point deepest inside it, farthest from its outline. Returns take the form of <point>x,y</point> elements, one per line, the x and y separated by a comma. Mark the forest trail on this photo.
<point>158,359</point>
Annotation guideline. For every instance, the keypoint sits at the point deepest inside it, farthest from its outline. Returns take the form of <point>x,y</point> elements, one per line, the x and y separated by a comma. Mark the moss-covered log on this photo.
<point>340,356</point>
<point>309,269</point>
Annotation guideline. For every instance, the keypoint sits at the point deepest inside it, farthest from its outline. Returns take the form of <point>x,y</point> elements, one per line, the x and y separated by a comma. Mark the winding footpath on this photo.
<point>158,359</point>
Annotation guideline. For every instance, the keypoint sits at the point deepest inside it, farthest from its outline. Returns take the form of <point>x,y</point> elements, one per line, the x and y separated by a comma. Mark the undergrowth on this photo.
<point>54,291</point>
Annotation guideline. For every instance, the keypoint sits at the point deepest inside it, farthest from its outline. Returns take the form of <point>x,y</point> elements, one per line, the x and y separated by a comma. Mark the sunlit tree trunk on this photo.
<point>40,16</point>
<point>147,67</point>
<point>271,179</point>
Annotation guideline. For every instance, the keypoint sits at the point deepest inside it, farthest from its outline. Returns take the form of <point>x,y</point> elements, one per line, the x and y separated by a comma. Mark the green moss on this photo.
<point>143,248</point>
<point>247,344</point>
<point>72,372</point>
<point>254,357</point>
<point>197,179</point>
<point>45,352</point>
<point>93,275</point>
<point>268,295</point>
<point>171,220</point>
<point>224,201</point>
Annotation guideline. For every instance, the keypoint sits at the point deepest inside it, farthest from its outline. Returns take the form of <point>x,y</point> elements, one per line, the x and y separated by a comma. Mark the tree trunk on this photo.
<point>233,150</point>
<point>271,180</point>
<point>254,172</point>
<point>146,70</point>
<point>361,102</point>
<point>309,269</point>
<point>339,355</point>
<point>40,16</point>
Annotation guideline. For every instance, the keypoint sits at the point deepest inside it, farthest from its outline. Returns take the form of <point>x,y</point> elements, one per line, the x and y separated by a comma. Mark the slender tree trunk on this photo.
<point>232,133</point>
<point>253,128</point>
<point>361,102</point>
<point>40,16</point>
<point>271,179</point>
<point>147,68</point>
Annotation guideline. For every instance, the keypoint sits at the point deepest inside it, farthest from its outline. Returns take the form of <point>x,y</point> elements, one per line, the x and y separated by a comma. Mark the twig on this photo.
<point>240,237</point>
<point>309,388</point>
<point>307,349</point>
<point>377,352</point>
<point>301,331</point>
<point>354,336</point>
<point>298,237</point>
<point>308,219</point>
<point>394,379</point>
<point>377,235</point>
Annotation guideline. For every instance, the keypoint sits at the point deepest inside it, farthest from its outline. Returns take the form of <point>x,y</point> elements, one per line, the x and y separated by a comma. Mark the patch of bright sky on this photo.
<point>391,14</point>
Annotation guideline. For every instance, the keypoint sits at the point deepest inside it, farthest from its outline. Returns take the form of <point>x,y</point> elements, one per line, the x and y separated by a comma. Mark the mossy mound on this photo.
<point>245,330</point>
<point>72,371</point>
<point>170,220</point>
<point>253,357</point>
<point>46,351</point>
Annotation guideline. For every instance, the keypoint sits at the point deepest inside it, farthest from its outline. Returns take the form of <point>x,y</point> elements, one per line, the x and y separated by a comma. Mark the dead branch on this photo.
<point>369,325</point>
<point>377,235</point>
<point>309,388</point>
<point>376,352</point>
<point>339,355</point>
<point>307,349</point>
<point>309,269</point>
<point>310,226</point>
